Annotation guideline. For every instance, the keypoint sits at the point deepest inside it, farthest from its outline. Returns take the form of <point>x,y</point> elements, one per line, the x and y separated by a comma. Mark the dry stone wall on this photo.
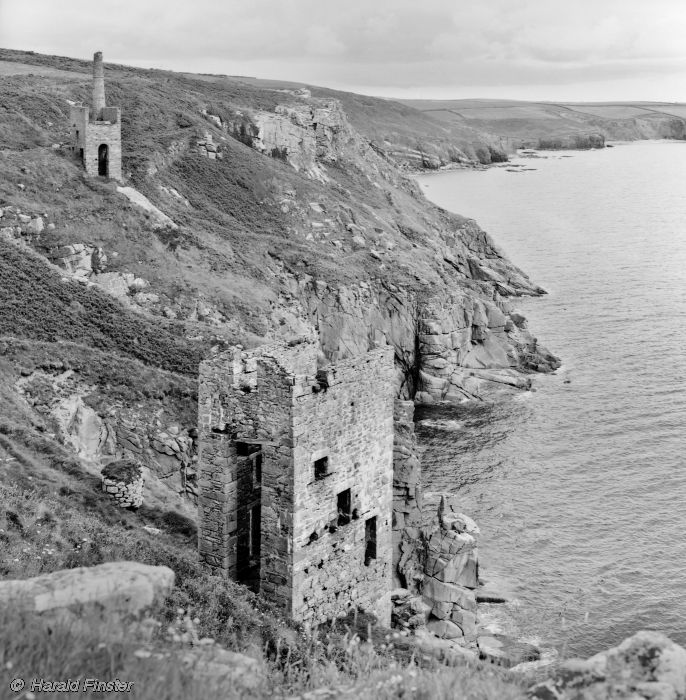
<point>126,495</point>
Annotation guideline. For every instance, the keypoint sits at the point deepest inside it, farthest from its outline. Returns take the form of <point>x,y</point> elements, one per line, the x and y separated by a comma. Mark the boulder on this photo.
<point>448,649</point>
<point>408,610</point>
<point>36,225</point>
<point>506,651</point>
<point>491,649</point>
<point>124,587</point>
<point>647,666</point>
<point>240,672</point>
<point>444,629</point>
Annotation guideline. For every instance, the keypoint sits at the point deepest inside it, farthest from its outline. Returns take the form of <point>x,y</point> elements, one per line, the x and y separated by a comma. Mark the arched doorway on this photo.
<point>103,160</point>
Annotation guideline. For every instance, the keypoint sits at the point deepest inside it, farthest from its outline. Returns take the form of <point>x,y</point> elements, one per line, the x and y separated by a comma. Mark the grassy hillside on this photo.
<point>559,125</point>
<point>38,303</point>
<point>53,517</point>
<point>260,250</point>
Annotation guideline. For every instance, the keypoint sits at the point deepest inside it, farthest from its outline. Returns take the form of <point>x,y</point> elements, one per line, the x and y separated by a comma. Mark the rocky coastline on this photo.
<point>276,198</point>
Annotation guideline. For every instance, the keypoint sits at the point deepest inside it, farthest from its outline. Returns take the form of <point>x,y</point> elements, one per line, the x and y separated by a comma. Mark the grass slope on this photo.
<point>233,244</point>
<point>36,302</point>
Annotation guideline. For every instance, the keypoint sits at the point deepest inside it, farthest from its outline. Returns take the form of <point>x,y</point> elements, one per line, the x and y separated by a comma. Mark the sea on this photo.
<point>579,485</point>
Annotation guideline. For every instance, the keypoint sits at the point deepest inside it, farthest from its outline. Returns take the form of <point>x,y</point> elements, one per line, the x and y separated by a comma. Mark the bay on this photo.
<point>579,487</point>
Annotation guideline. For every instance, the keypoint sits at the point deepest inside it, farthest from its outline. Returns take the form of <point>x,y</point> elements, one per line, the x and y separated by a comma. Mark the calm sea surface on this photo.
<point>580,486</point>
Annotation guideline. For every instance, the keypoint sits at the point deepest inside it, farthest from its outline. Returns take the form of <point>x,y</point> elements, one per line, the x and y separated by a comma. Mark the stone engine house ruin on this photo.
<point>96,131</point>
<point>296,472</point>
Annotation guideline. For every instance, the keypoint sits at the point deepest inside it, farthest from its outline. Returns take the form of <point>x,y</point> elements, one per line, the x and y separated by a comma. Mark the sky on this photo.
<point>576,50</point>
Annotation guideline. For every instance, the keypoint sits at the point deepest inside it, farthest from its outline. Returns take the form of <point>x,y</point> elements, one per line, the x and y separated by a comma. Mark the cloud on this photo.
<point>367,44</point>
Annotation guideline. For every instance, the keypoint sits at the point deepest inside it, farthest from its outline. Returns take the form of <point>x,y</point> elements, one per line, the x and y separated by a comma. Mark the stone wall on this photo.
<point>78,120</point>
<point>87,135</point>
<point>314,563</point>
<point>208,148</point>
<point>125,495</point>
<point>108,133</point>
<point>239,400</point>
<point>350,422</point>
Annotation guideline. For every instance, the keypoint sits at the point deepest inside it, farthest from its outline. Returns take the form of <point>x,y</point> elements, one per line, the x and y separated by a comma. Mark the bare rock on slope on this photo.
<point>159,219</point>
<point>124,587</point>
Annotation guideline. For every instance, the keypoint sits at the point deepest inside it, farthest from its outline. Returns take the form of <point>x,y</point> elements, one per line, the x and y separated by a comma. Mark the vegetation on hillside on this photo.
<point>550,125</point>
<point>56,520</point>
<point>38,303</point>
<point>251,233</point>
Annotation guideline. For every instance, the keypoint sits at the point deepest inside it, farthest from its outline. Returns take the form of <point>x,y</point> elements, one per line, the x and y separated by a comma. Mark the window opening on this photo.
<point>369,540</point>
<point>344,507</point>
<point>321,468</point>
<point>103,160</point>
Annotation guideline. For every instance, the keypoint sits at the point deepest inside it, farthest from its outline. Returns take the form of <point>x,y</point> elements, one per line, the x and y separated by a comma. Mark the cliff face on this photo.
<point>450,344</point>
<point>248,215</point>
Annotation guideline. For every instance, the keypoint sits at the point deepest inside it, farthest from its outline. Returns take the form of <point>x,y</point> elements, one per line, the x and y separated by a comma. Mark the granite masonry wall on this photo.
<point>320,444</point>
<point>100,127</point>
<point>348,422</point>
<point>109,134</point>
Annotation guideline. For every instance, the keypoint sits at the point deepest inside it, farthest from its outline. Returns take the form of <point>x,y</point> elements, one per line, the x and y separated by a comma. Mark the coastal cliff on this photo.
<point>514,124</point>
<point>249,215</point>
<point>263,213</point>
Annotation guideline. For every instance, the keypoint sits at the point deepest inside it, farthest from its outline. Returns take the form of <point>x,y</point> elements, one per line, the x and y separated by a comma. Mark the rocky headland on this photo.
<point>515,124</point>
<point>248,214</point>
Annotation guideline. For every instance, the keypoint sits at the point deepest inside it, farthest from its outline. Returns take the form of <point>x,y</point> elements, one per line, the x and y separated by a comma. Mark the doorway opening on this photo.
<point>103,160</point>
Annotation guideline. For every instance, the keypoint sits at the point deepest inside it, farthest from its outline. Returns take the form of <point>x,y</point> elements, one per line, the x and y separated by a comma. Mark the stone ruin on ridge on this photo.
<point>296,472</point>
<point>96,132</point>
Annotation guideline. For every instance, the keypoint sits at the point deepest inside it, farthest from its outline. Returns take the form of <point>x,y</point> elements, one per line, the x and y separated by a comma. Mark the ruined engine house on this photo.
<point>296,477</point>
<point>96,131</point>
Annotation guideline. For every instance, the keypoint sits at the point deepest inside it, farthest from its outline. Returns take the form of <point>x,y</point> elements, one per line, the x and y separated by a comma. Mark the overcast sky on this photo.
<point>525,49</point>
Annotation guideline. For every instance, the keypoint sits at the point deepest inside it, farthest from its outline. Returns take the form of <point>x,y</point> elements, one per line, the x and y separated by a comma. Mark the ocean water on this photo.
<point>579,486</point>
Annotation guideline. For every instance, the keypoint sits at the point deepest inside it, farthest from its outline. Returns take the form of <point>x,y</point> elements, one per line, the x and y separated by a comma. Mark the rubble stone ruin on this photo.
<point>296,471</point>
<point>96,132</point>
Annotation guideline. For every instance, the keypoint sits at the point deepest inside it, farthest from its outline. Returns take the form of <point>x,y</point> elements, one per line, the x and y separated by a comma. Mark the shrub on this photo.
<point>125,470</point>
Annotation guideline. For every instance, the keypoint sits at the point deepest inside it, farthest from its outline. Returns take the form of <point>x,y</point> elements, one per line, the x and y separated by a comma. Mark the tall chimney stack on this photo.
<point>98,86</point>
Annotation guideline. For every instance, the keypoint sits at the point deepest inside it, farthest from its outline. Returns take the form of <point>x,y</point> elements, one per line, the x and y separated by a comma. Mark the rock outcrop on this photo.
<point>471,347</point>
<point>453,346</point>
<point>439,565</point>
<point>307,135</point>
<point>138,432</point>
<point>79,259</point>
<point>407,494</point>
<point>207,147</point>
<point>646,666</point>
